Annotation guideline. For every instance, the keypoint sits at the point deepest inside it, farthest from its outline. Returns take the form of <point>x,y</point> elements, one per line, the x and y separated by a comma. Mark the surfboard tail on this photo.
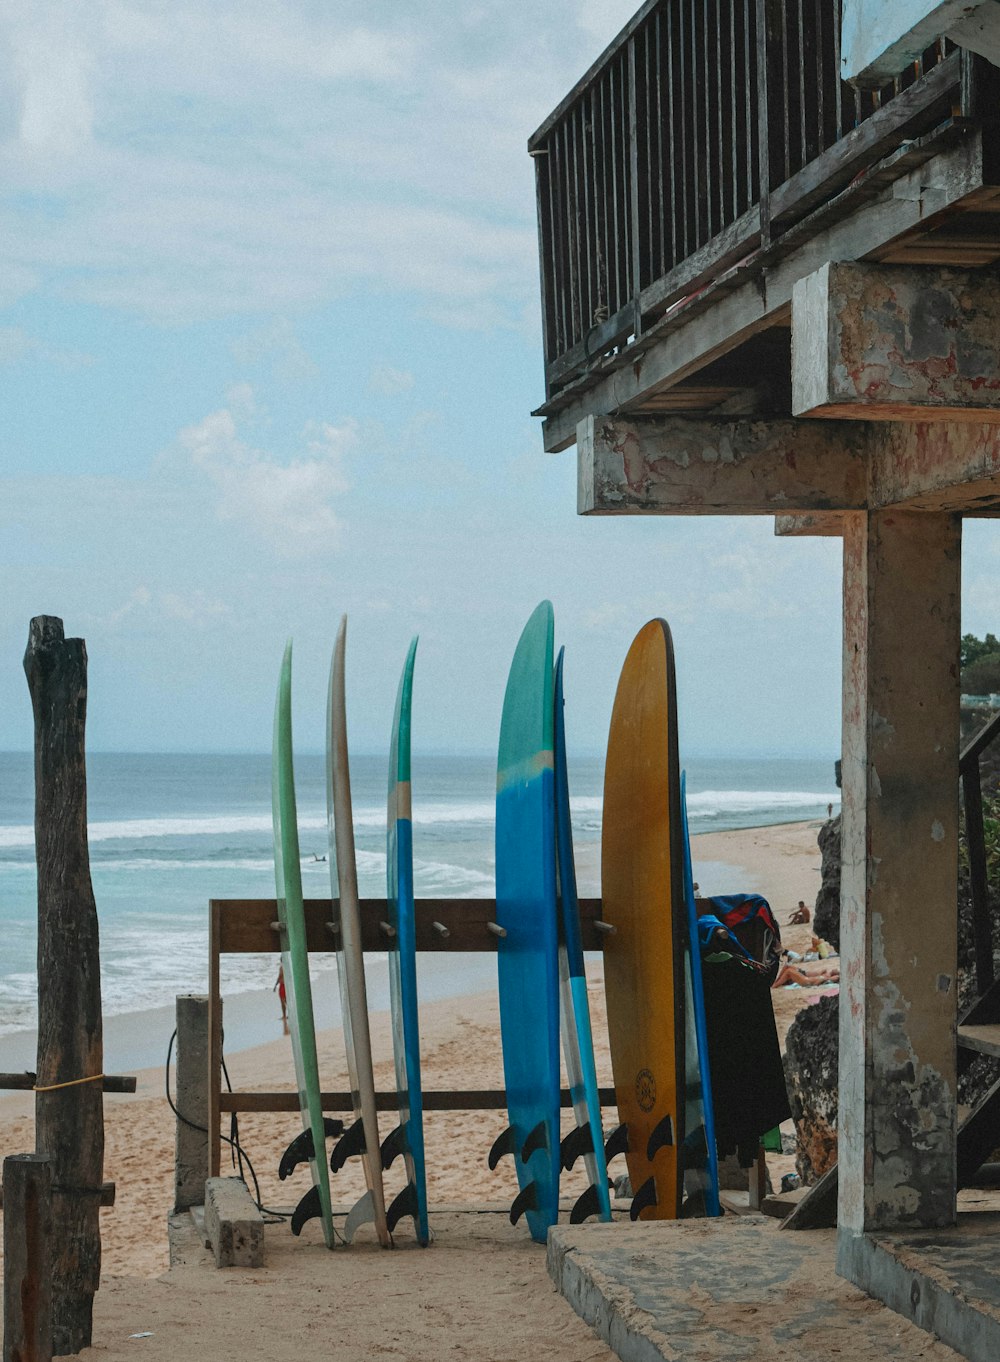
<point>590,1203</point>
<point>309,1208</point>
<point>616,1143</point>
<point>505,1143</point>
<point>645,1196</point>
<point>301,1148</point>
<point>350,1143</point>
<point>361,1213</point>
<point>526,1200</point>
<point>578,1142</point>
<point>537,1138</point>
<point>395,1143</point>
<point>661,1137</point>
<point>405,1203</point>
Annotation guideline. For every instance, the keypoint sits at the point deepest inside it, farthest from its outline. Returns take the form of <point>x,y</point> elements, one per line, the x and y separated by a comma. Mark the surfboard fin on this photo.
<point>361,1213</point>
<point>616,1143</point>
<point>394,1144</point>
<point>506,1143</point>
<point>308,1209</point>
<point>585,1206</point>
<point>662,1136</point>
<point>579,1141</point>
<point>351,1142</point>
<point>645,1196</point>
<point>538,1138</point>
<point>301,1148</point>
<point>526,1200</point>
<point>403,1204</point>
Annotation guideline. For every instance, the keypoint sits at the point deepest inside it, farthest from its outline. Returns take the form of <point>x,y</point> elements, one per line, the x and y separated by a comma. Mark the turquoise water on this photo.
<point>168,832</point>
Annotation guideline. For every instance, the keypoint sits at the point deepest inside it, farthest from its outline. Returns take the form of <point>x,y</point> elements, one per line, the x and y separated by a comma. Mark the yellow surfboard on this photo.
<point>642,880</point>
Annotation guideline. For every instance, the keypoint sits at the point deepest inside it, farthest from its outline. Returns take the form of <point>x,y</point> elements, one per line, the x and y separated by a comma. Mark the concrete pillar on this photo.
<point>191,1159</point>
<point>900,864</point>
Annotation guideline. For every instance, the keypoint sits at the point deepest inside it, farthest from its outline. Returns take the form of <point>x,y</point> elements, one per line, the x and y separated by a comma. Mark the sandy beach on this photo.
<point>460,1048</point>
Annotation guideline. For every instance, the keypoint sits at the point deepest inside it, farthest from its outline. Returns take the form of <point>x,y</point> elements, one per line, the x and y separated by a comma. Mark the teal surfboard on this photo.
<point>311,1144</point>
<point>577,1036</point>
<point>408,1137</point>
<point>362,1137</point>
<point>701,1170</point>
<point>526,914</point>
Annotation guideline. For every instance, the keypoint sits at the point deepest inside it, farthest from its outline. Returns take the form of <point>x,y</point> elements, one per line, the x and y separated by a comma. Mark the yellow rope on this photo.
<point>71,1084</point>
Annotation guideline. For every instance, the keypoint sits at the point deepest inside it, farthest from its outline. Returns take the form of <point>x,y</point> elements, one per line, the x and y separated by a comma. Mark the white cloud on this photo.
<point>203,159</point>
<point>385,381</point>
<point>16,344</point>
<point>289,505</point>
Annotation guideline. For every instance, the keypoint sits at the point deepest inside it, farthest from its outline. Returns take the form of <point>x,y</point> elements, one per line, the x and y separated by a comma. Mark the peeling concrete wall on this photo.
<point>896,343</point>
<point>684,465</point>
<point>900,861</point>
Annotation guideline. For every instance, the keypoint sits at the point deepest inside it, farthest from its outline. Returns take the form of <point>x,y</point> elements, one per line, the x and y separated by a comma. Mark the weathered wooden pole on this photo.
<point>69,1112</point>
<point>27,1258</point>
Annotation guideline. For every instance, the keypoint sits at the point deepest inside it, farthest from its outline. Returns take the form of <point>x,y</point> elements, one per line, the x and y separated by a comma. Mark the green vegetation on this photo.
<point>980,660</point>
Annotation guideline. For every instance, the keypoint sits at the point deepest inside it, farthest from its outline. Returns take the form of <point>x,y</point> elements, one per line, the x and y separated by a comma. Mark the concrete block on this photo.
<point>895,343</point>
<point>233,1224</point>
<point>191,1146</point>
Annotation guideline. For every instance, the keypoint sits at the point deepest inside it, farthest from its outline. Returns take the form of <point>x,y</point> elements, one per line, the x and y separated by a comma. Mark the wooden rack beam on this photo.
<point>249,926</point>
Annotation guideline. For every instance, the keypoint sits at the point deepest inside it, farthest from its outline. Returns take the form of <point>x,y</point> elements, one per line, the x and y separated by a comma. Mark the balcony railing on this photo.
<point>703,132</point>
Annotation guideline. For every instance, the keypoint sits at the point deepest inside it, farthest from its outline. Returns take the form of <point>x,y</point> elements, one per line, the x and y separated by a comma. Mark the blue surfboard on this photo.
<point>526,914</point>
<point>578,1040</point>
<point>701,1167</point>
<point>408,1137</point>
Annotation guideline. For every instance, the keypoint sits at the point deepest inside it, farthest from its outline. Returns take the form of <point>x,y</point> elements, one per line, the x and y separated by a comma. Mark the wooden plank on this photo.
<point>216,915</point>
<point>982,929</point>
<point>27,1258</point>
<point>106,1197</point>
<point>818,1208</point>
<point>25,1082</point>
<point>471,1099</point>
<point>985,1039</point>
<point>912,111</point>
<point>69,1120</point>
<point>978,744</point>
<point>245,926</point>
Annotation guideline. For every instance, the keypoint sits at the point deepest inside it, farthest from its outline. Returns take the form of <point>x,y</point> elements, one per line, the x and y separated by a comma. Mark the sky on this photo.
<point>269,345</point>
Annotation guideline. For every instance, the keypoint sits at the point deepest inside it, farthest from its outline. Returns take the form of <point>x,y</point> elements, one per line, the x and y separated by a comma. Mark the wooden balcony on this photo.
<point>705,145</point>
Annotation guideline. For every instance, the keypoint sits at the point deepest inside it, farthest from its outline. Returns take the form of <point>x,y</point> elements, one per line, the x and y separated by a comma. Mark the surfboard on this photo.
<point>527,970</point>
<point>642,892</point>
<point>311,1144</point>
<point>578,1040</point>
<point>701,1161</point>
<point>408,1137</point>
<point>361,1137</point>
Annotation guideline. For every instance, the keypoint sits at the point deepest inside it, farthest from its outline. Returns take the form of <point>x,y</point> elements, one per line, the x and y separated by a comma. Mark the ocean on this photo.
<point>169,832</point>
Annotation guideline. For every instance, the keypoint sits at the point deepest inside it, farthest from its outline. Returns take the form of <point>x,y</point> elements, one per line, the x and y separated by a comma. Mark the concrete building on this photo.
<point>767,291</point>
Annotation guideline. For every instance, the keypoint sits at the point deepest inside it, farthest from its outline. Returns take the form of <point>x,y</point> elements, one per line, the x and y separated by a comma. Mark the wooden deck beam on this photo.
<point>896,343</point>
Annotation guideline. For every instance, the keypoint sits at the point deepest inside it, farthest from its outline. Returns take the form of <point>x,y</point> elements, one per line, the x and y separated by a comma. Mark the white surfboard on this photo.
<point>362,1137</point>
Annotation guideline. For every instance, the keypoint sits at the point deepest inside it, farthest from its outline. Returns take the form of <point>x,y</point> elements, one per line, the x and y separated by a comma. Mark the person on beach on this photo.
<point>800,915</point>
<point>806,978</point>
<point>279,987</point>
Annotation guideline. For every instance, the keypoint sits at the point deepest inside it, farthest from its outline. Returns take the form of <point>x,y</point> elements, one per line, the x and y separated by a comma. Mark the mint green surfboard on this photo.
<point>311,1144</point>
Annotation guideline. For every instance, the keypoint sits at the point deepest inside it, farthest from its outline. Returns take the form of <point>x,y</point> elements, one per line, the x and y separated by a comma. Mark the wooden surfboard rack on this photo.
<point>249,926</point>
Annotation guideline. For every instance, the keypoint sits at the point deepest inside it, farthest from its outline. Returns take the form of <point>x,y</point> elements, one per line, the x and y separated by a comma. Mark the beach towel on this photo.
<point>752,931</point>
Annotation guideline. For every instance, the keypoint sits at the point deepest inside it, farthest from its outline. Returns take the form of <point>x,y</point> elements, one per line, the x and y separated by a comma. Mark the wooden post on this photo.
<point>27,1258</point>
<point>69,1119</point>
